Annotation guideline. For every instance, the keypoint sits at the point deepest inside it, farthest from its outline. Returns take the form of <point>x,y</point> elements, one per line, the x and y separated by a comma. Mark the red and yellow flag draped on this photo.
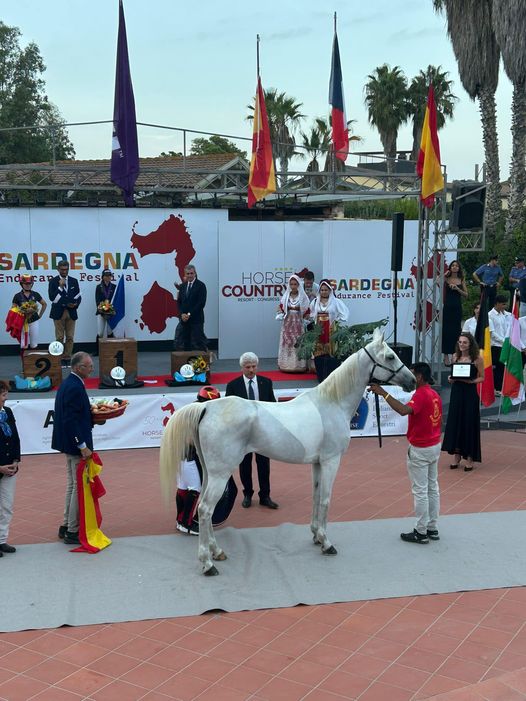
<point>90,489</point>
<point>262,178</point>
<point>428,163</point>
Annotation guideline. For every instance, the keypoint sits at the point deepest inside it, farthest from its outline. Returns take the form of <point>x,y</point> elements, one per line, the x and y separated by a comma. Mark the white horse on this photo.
<point>312,428</point>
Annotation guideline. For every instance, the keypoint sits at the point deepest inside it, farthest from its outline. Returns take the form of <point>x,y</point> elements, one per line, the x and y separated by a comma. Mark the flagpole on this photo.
<point>257,53</point>
<point>335,15</point>
<point>333,159</point>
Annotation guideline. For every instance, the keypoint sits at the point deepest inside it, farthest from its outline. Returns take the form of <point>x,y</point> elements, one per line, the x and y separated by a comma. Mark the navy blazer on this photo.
<point>9,445</point>
<point>193,303</point>
<point>71,296</point>
<point>72,424</point>
<point>237,388</point>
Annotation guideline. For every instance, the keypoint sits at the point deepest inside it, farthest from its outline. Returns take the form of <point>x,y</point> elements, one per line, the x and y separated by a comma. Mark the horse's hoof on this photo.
<point>212,572</point>
<point>330,551</point>
<point>220,556</point>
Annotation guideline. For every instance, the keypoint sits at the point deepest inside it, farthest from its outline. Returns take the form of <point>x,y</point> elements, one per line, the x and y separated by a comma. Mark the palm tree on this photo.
<point>319,141</point>
<point>284,116</point>
<point>509,23</point>
<point>386,101</point>
<point>444,98</point>
<point>470,28</point>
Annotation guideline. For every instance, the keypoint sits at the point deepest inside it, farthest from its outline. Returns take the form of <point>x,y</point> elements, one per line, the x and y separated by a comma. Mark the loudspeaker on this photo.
<point>468,212</point>
<point>397,244</point>
<point>403,351</point>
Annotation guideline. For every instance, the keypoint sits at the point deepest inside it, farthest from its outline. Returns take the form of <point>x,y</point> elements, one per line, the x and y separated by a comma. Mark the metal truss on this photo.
<point>434,240</point>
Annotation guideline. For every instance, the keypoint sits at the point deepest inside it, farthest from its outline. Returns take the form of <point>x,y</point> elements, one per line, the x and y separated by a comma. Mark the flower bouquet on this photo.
<point>106,308</point>
<point>106,409</point>
<point>29,307</point>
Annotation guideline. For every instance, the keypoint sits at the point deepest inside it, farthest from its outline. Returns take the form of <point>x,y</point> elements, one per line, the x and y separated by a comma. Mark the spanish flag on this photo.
<point>90,489</point>
<point>262,178</point>
<point>428,163</point>
<point>485,389</point>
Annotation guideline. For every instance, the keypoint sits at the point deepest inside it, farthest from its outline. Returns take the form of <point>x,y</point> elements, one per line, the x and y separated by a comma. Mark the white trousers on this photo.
<point>189,476</point>
<point>71,505</point>
<point>33,336</point>
<point>422,466</point>
<point>103,329</point>
<point>7,499</point>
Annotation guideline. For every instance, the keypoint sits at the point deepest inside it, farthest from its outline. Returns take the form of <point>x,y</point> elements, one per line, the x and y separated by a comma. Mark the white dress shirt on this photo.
<point>501,326</point>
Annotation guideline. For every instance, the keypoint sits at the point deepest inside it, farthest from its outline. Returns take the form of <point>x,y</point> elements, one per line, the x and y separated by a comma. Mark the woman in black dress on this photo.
<point>454,290</point>
<point>462,435</point>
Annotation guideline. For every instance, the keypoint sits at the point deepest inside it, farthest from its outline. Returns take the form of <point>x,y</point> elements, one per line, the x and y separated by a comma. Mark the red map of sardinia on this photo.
<point>172,236</point>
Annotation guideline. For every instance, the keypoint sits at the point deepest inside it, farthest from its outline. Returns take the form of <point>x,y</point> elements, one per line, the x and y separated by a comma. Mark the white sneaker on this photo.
<point>181,528</point>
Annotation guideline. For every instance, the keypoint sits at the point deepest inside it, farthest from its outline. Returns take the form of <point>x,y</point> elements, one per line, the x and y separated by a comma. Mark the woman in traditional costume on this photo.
<point>326,310</point>
<point>293,308</point>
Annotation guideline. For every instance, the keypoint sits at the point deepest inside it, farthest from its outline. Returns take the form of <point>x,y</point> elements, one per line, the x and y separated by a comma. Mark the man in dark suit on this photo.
<point>252,386</point>
<point>64,293</point>
<point>189,334</point>
<point>72,435</point>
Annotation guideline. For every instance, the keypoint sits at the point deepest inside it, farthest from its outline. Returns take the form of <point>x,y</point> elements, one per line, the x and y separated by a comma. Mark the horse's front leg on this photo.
<point>329,468</point>
<point>315,519</point>
<point>208,547</point>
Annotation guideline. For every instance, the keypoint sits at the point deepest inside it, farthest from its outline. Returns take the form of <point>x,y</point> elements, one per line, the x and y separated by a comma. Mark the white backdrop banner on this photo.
<point>143,422</point>
<point>245,266</point>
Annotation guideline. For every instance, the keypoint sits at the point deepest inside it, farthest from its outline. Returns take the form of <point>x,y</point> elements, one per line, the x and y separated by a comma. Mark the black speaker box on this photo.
<point>397,243</point>
<point>403,351</point>
<point>468,211</point>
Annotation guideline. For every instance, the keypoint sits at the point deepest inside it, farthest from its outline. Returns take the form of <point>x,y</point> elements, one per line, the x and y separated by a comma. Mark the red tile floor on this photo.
<point>460,646</point>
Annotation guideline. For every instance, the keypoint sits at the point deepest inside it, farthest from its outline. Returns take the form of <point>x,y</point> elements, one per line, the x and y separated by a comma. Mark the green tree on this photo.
<point>214,144</point>
<point>387,105</point>
<point>470,28</point>
<point>284,117</point>
<point>24,103</point>
<point>509,24</point>
<point>417,99</point>
<point>318,142</point>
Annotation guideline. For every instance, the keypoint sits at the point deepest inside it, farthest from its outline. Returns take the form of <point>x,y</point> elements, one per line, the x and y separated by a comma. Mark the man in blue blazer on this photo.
<point>64,293</point>
<point>72,435</point>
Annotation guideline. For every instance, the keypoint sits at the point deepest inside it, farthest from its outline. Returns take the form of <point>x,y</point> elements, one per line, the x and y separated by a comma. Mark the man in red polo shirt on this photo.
<point>424,411</point>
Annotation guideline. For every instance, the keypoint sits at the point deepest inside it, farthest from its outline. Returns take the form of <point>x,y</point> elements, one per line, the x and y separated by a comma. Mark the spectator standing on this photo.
<point>424,412</point>
<point>311,288</point>
<point>27,294</point>
<point>252,386</point>
<point>72,435</point>
<point>489,276</point>
<point>64,293</point>
<point>293,308</point>
<point>501,320</point>
<point>9,462</point>
<point>454,290</point>
<point>517,272</point>
<point>189,334</point>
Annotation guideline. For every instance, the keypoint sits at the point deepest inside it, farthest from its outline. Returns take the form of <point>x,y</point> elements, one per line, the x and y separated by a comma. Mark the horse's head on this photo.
<point>387,366</point>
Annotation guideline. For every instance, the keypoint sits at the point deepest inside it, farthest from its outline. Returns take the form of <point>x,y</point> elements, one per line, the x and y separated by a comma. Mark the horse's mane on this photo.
<point>341,381</point>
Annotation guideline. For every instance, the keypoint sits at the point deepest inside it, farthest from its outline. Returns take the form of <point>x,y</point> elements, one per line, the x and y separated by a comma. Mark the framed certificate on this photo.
<point>461,371</point>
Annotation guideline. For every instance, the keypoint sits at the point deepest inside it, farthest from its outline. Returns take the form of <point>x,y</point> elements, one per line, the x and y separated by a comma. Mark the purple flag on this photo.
<point>124,148</point>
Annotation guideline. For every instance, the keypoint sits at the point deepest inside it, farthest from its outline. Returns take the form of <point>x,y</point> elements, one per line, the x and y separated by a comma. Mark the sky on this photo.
<point>194,66</point>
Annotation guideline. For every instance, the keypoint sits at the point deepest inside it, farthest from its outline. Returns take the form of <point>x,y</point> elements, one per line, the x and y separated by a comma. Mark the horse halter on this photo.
<point>376,364</point>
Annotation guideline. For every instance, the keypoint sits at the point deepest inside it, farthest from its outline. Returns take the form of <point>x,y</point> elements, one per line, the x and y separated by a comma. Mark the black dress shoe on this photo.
<point>267,501</point>
<point>62,532</point>
<point>5,548</point>
<point>71,538</point>
<point>247,502</point>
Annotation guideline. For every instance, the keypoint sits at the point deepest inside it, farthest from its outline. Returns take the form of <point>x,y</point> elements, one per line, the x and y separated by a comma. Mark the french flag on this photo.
<point>117,323</point>
<point>340,132</point>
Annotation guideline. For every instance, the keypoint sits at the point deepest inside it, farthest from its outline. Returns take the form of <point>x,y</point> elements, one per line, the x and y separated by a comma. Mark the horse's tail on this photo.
<point>181,431</point>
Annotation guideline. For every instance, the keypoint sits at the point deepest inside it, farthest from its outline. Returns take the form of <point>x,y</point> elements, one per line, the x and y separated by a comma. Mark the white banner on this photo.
<point>245,266</point>
<point>142,424</point>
